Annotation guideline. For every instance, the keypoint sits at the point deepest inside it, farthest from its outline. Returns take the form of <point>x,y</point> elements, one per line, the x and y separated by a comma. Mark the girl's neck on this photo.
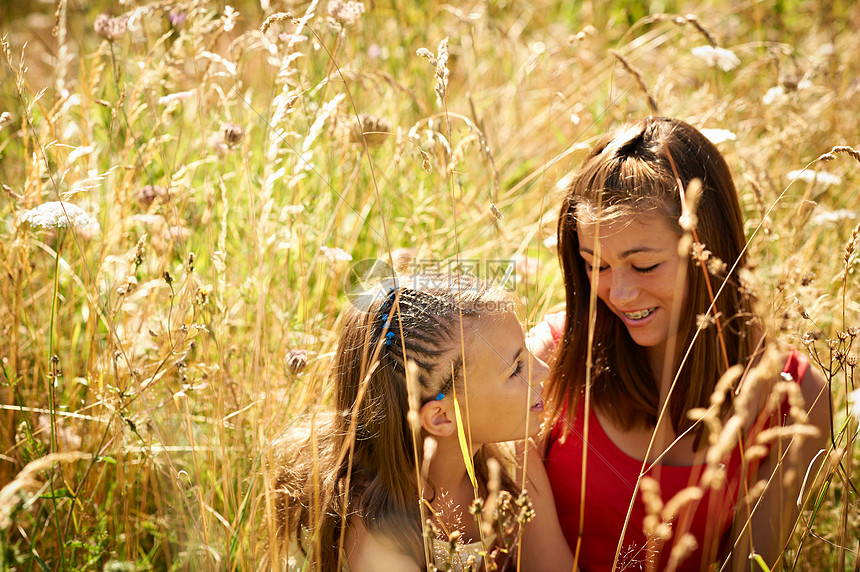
<point>453,490</point>
<point>657,359</point>
<point>448,468</point>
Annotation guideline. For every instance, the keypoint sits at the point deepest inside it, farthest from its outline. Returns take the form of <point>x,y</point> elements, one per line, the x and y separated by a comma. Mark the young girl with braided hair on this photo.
<point>662,368</point>
<point>416,358</point>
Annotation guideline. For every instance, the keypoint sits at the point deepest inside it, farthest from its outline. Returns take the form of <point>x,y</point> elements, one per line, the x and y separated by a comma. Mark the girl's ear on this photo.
<point>435,419</point>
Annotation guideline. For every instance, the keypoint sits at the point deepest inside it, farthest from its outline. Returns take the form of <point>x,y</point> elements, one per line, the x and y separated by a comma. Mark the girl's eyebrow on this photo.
<point>626,253</point>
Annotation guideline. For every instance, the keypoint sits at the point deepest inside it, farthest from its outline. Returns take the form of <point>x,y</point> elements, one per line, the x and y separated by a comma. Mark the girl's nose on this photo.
<point>622,290</point>
<point>540,371</point>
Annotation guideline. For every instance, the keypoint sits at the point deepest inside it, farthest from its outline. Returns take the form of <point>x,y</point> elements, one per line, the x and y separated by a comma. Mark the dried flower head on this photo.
<point>109,28</point>
<point>297,360</point>
<point>716,266</point>
<point>5,119</point>
<point>148,194</point>
<point>374,129</point>
<point>717,57</point>
<point>55,214</point>
<point>346,14</point>
<point>231,134</point>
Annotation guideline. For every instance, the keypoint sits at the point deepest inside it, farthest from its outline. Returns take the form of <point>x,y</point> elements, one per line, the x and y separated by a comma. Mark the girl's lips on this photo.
<point>640,314</point>
<point>537,407</point>
<point>637,323</point>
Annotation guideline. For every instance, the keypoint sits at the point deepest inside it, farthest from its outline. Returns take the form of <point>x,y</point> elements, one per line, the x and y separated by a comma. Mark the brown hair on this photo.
<point>633,170</point>
<point>359,459</point>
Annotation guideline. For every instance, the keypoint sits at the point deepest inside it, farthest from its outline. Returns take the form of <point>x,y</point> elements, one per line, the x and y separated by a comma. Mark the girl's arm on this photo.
<point>365,552</point>
<point>776,514</point>
<point>543,546</point>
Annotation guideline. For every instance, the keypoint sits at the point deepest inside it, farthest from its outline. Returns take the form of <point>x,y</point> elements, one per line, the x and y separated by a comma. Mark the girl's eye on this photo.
<point>519,369</point>
<point>590,268</point>
<point>646,269</point>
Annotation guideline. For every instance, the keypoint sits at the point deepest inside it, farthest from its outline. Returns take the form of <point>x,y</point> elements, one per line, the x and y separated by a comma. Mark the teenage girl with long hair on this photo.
<point>659,310</point>
<point>415,359</point>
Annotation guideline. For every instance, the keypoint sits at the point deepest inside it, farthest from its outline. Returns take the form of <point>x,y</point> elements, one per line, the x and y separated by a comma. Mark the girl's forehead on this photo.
<point>591,211</point>
<point>621,222</point>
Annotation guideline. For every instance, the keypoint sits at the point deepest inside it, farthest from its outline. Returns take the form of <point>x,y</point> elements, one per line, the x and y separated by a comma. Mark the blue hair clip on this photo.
<point>388,337</point>
<point>440,396</point>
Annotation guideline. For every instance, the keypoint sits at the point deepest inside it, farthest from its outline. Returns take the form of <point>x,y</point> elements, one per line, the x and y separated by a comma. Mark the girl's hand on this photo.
<point>539,341</point>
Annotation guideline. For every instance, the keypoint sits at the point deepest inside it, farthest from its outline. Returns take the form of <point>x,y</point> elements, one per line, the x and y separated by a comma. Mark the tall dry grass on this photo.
<point>148,361</point>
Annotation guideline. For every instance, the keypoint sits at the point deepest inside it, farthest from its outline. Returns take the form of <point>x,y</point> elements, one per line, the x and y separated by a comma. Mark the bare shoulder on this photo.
<point>367,552</point>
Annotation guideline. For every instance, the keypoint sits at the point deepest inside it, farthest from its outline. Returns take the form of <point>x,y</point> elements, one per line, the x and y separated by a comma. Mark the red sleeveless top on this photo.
<point>611,477</point>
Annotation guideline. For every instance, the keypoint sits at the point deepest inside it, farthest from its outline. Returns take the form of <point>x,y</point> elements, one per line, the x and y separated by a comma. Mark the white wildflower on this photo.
<point>775,95</point>
<point>345,13</point>
<point>5,119</point>
<point>854,401</point>
<point>824,216</point>
<point>53,215</point>
<point>171,97</point>
<point>717,136</point>
<point>810,176</point>
<point>335,254</point>
<point>722,58</point>
<point>229,17</point>
<point>551,241</point>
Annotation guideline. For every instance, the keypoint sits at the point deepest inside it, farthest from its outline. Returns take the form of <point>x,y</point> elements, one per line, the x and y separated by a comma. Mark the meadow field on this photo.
<point>190,190</point>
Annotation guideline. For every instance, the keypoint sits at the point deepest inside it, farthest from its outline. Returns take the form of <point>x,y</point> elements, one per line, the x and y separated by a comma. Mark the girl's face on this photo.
<point>639,270</point>
<point>503,380</point>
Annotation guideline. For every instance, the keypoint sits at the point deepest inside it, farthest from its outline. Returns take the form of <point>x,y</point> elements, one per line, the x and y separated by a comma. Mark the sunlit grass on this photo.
<point>218,162</point>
